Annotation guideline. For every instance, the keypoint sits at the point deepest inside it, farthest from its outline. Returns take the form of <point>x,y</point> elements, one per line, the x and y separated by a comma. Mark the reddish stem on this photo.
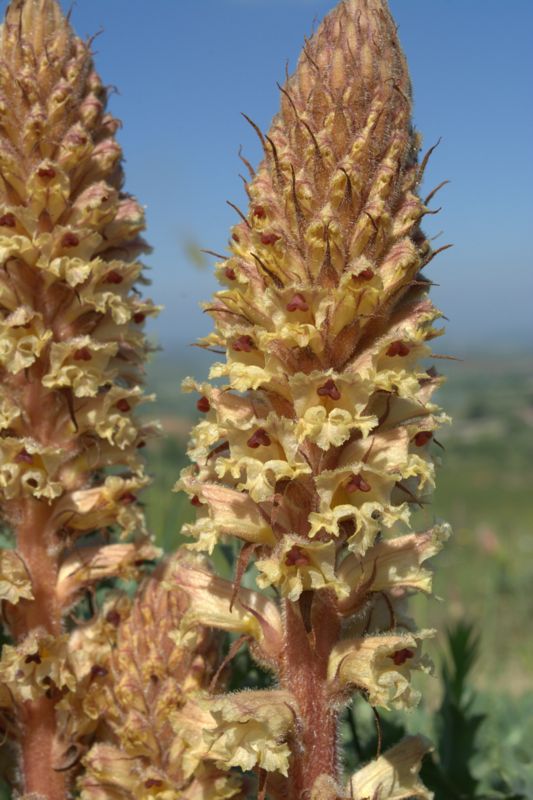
<point>304,673</point>
<point>35,545</point>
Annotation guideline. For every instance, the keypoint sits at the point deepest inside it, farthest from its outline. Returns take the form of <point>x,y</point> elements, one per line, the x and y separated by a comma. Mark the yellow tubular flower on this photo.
<point>394,775</point>
<point>209,602</point>
<point>71,360</point>
<point>317,434</point>
<point>252,729</point>
<point>148,696</point>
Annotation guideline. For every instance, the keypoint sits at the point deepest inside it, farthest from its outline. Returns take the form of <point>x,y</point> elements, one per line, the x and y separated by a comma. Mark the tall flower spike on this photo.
<point>319,443</point>
<point>149,704</point>
<point>71,355</point>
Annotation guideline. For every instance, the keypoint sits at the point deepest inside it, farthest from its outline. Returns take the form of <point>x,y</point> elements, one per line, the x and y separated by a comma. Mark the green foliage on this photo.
<point>465,764</point>
<point>456,723</point>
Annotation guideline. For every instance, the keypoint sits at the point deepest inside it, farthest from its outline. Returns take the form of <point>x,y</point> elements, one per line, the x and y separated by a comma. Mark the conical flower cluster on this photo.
<point>317,437</point>
<point>71,355</point>
<point>149,704</point>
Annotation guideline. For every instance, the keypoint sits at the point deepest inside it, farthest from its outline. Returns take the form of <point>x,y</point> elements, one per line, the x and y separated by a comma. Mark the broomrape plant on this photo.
<point>71,355</point>
<point>315,446</point>
<point>319,423</point>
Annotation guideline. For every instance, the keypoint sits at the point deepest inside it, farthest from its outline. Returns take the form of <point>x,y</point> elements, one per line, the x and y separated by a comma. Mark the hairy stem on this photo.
<point>304,673</point>
<point>39,730</point>
<point>35,546</point>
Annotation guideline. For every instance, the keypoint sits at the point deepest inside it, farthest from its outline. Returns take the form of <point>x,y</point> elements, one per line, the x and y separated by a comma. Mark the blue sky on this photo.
<point>185,69</point>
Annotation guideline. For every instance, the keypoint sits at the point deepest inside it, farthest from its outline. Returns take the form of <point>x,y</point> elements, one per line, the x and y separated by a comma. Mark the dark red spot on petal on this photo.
<point>269,238</point>
<point>195,501</point>
<point>431,375</point>
<point>244,344</point>
<point>298,303</point>
<point>229,272</point>
<point>329,389</point>
<point>128,498</point>
<point>123,405</point>
<point>401,656</point>
<point>347,527</point>
<point>422,438</point>
<point>139,317</point>
<point>70,240</point>
<point>24,457</point>
<point>140,445</point>
<point>235,237</point>
<point>296,557</point>
<point>366,275</point>
<point>82,354</point>
<point>32,483</point>
<point>113,277</point>
<point>8,220</point>
<point>46,172</point>
<point>259,212</point>
<point>398,348</point>
<point>33,658</point>
<point>113,617</point>
<point>258,439</point>
<point>203,405</point>
<point>97,671</point>
<point>358,484</point>
<point>152,783</point>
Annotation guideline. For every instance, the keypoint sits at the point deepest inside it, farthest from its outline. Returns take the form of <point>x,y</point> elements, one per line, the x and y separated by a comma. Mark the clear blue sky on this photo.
<point>186,68</point>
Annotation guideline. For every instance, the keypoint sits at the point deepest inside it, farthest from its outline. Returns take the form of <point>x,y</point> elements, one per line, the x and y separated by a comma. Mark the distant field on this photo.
<point>485,487</point>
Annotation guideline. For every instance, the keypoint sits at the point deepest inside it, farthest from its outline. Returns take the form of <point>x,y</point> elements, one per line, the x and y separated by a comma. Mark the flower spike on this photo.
<point>316,437</point>
<point>71,364</point>
<point>149,703</point>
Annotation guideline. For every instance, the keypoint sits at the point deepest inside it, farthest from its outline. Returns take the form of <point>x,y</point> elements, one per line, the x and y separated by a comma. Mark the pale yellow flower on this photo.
<point>394,775</point>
